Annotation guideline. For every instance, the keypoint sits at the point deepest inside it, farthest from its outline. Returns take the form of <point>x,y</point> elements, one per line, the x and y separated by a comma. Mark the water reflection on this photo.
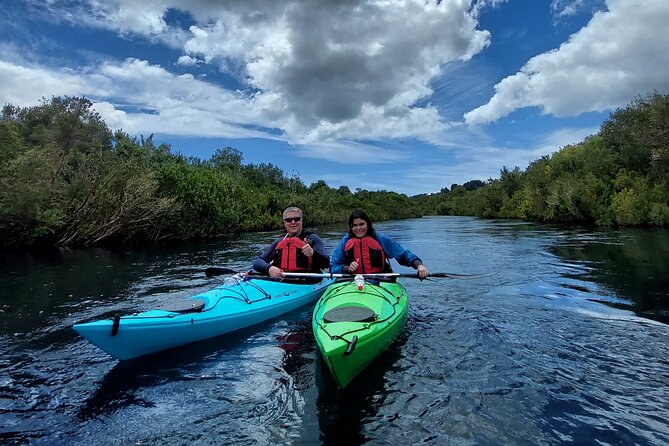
<point>632,264</point>
<point>298,347</point>
<point>121,385</point>
<point>344,414</point>
<point>119,388</point>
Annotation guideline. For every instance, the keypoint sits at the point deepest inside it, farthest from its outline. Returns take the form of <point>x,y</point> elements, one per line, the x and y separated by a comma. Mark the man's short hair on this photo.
<point>293,209</point>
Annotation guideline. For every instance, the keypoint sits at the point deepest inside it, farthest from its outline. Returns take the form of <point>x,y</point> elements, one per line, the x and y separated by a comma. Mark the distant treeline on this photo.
<point>618,177</point>
<point>66,179</point>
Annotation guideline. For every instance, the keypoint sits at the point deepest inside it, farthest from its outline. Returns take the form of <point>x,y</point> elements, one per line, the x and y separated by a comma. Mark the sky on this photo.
<point>408,96</point>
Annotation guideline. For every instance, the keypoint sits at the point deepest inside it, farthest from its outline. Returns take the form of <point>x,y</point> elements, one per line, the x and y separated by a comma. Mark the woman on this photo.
<point>367,251</point>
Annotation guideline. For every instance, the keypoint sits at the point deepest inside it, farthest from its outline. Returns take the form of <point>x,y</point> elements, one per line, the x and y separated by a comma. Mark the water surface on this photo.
<point>567,343</point>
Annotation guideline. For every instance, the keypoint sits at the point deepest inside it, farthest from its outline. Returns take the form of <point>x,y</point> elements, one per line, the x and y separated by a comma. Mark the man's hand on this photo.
<point>307,250</point>
<point>274,271</point>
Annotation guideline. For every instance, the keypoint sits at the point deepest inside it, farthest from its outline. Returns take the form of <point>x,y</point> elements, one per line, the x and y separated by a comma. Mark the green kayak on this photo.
<point>355,321</point>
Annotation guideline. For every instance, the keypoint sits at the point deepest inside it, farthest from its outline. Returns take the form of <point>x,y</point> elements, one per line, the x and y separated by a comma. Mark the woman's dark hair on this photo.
<point>362,215</point>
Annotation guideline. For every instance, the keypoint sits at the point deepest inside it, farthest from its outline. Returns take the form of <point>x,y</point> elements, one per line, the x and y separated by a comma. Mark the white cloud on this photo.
<point>147,98</point>
<point>325,67</point>
<point>24,86</point>
<point>318,70</point>
<point>350,152</point>
<point>377,123</point>
<point>188,61</point>
<point>479,5</point>
<point>179,105</point>
<point>129,16</point>
<point>620,54</point>
<point>563,8</point>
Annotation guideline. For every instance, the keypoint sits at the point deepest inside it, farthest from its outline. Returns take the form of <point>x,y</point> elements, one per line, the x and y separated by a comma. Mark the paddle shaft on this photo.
<point>390,275</point>
<point>217,271</point>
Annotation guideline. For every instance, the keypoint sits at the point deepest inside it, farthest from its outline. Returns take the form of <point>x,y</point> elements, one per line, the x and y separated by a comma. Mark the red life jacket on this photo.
<point>289,257</point>
<point>368,253</point>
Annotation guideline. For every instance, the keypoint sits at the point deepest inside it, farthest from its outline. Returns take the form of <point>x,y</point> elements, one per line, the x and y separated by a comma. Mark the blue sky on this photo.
<point>403,95</point>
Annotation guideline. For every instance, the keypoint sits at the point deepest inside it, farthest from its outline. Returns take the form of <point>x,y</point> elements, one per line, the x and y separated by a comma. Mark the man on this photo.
<point>297,251</point>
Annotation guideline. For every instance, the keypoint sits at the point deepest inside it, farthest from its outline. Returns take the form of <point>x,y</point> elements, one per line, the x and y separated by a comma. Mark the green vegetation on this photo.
<point>66,179</point>
<point>618,177</point>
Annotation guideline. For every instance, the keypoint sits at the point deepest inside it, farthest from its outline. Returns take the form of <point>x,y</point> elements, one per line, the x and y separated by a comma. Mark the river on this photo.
<point>566,343</point>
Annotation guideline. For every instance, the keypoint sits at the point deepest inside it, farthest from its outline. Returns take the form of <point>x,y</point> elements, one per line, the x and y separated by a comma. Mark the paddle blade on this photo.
<point>446,275</point>
<point>460,276</point>
<point>218,271</point>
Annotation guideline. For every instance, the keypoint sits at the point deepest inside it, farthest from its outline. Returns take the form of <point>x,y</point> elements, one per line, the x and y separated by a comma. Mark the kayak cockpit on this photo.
<point>349,313</point>
<point>184,306</point>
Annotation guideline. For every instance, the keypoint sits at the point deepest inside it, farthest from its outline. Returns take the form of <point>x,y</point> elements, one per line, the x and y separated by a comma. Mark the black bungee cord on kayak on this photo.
<point>259,288</point>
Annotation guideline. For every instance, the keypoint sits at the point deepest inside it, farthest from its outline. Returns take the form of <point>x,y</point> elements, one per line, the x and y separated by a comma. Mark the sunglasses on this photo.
<point>292,219</point>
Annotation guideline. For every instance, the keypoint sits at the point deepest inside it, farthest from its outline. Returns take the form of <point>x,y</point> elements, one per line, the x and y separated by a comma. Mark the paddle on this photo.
<point>217,271</point>
<point>388,275</point>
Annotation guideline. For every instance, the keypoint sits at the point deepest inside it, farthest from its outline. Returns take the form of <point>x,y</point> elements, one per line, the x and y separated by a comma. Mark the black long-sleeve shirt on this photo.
<point>320,262</point>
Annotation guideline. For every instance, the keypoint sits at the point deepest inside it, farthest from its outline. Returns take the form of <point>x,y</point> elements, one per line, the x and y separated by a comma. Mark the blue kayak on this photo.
<point>238,303</point>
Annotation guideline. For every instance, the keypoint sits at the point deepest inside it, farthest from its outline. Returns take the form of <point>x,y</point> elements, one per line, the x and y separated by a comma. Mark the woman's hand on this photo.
<point>353,267</point>
<point>422,271</point>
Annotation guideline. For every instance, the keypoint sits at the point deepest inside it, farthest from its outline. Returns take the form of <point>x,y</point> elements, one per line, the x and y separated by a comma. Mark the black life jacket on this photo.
<point>369,255</point>
<point>289,257</point>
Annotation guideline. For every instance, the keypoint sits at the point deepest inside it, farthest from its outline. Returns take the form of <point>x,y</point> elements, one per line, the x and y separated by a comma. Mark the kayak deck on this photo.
<point>232,306</point>
<point>354,326</point>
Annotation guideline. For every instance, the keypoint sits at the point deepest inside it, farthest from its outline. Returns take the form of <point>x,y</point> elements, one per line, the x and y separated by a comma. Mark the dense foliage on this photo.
<point>67,180</point>
<point>618,177</point>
